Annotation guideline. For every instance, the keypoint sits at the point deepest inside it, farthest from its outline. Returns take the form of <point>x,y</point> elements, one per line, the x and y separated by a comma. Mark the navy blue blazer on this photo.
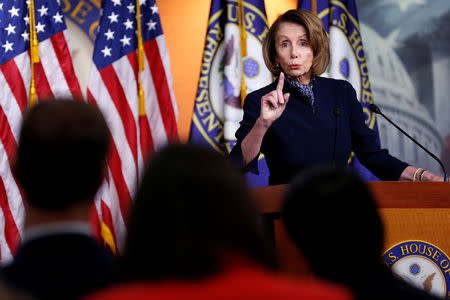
<point>303,136</point>
<point>60,266</point>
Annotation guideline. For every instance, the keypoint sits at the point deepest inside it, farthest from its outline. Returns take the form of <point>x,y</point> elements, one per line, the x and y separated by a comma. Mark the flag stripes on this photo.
<point>54,76</point>
<point>11,231</point>
<point>61,51</point>
<point>137,129</point>
<point>44,92</point>
<point>162,88</point>
<point>13,82</point>
<point>9,191</point>
<point>117,95</point>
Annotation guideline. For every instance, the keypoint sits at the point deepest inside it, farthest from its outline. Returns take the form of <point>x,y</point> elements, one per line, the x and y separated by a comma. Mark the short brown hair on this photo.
<point>317,37</point>
<point>62,150</point>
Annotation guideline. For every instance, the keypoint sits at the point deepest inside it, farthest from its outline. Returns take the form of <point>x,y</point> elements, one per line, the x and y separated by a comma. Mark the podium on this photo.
<point>409,211</point>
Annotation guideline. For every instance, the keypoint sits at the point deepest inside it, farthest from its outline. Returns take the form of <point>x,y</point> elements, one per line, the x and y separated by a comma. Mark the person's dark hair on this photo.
<point>332,217</point>
<point>317,37</point>
<point>61,153</point>
<point>191,211</point>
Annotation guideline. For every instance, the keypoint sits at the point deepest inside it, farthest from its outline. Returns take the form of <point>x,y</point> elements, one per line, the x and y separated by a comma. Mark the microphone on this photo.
<point>374,108</point>
<point>336,113</point>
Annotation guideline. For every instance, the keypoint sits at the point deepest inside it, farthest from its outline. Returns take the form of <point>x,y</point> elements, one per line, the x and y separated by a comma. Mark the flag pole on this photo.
<point>314,7</point>
<point>141,67</point>
<point>34,51</point>
<point>243,35</point>
<point>141,63</point>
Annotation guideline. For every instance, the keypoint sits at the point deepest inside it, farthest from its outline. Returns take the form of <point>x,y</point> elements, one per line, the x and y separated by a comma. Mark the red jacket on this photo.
<point>241,282</point>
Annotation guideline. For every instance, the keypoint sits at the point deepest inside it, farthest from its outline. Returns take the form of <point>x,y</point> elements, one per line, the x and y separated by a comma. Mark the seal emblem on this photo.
<point>217,110</point>
<point>422,265</point>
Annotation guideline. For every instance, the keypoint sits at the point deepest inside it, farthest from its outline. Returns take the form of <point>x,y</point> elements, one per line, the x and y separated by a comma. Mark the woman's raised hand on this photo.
<point>273,103</point>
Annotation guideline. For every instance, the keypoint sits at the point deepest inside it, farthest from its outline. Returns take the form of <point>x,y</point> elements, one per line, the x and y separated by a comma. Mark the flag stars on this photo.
<point>1,6</point>
<point>40,27</point>
<point>14,12</point>
<point>151,25</point>
<point>58,18</point>
<point>125,41</point>
<point>116,2</point>
<point>26,36</point>
<point>154,9</point>
<point>106,52</point>
<point>26,19</point>
<point>10,29</point>
<point>130,8</point>
<point>113,17</point>
<point>142,2</point>
<point>43,10</point>
<point>128,24</point>
<point>8,46</point>
<point>109,34</point>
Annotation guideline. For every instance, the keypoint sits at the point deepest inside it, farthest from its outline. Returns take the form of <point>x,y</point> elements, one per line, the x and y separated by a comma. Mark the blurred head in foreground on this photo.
<point>61,153</point>
<point>192,215</point>
<point>331,216</point>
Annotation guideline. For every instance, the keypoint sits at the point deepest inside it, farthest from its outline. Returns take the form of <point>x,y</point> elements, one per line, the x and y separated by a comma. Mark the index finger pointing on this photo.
<point>280,82</point>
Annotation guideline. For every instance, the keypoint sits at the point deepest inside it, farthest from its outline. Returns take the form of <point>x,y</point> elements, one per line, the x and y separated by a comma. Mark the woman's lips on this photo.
<point>294,66</point>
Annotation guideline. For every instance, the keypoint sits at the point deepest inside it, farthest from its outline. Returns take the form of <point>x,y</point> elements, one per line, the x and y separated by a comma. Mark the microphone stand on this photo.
<point>374,108</point>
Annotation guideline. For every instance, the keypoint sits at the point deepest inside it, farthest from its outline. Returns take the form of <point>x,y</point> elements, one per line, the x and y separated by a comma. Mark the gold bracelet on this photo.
<point>415,173</point>
<point>421,175</point>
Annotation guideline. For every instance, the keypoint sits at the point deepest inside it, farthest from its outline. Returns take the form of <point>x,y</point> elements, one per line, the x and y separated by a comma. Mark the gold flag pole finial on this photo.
<point>34,50</point>
<point>108,238</point>
<point>141,62</point>
<point>243,34</point>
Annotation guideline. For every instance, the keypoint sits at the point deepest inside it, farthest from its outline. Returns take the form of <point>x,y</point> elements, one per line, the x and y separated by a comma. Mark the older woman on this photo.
<point>302,119</point>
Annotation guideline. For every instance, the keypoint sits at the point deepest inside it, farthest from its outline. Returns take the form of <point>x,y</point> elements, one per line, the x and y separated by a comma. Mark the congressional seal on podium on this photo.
<point>421,264</point>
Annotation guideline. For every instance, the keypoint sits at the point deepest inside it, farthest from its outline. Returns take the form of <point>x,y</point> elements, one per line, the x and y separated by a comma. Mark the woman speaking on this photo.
<point>301,119</point>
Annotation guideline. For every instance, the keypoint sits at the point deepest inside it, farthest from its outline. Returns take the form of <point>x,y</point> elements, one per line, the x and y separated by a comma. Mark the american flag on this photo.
<point>137,128</point>
<point>55,77</point>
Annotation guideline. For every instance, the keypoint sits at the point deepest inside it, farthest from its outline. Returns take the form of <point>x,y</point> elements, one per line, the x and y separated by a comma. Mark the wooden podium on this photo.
<point>409,211</point>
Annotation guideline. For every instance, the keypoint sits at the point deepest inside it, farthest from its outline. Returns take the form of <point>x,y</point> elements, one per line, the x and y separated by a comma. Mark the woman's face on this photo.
<point>294,53</point>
